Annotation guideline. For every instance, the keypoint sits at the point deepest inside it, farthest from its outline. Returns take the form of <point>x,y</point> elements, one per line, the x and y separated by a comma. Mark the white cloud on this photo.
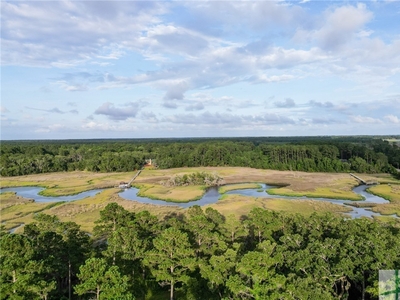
<point>72,87</point>
<point>176,40</point>
<point>52,128</point>
<point>325,121</point>
<point>228,119</point>
<point>365,120</point>
<point>326,104</point>
<point>288,103</point>
<point>149,117</point>
<point>219,56</point>
<point>67,33</point>
<point>129,110</point>
<point>170,104</point>
<point>364,33</point>
<point>176,90</point>
<point>3,109</point>
<point>107,127</point>
<point>341,25</point>
<point>54,110</point>
<point>392,119</point>
<point>270,79</point>
<point>195,106</point>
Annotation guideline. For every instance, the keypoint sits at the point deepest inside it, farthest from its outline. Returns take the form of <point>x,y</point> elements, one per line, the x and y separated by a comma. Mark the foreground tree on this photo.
<point>20,275</point>
<point>103,281</point>
<point>256,274</point>
<point>171,258</point>
<point>61,247</point>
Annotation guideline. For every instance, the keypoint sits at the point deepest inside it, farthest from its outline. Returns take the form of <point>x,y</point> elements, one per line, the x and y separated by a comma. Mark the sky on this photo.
<point>162,69</point>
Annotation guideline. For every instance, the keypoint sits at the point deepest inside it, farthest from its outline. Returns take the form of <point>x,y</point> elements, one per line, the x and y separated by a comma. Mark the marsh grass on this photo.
<point>387,209</point>
<point>67,183</point>
<point>362,204</point>
<point>390,192</point>
<point>242,205</point>
<point>388,220</point>
<point>381,178</point>
<point>386,191</point>
<point>17,210</point>
<point>11,225</point>
<point>329,193</point>
<point>84,212</point>
<point>240,186</point>
<point>21,210</point>
<point>171,194</point>
<point>305,207</point>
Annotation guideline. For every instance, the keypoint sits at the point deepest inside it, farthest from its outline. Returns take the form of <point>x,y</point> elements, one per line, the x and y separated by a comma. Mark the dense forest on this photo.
<point>311,154</point>
<point>198,255</point>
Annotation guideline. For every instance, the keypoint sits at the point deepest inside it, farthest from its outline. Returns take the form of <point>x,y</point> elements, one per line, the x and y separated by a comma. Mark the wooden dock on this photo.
<point>358,178</point>
<point>134,177</point>
<point>362,180</point>
<point>124,185</point>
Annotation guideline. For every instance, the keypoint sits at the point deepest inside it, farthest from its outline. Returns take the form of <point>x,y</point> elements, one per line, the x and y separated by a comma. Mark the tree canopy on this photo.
<point>198,255</point>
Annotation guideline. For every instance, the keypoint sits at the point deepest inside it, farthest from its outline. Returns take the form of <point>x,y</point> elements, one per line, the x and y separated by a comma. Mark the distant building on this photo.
<point>150,163</point>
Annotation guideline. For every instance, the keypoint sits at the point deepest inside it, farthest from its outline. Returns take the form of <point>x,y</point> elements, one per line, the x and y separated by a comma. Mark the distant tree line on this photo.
<point>199,255</point>
<point>323,154</point>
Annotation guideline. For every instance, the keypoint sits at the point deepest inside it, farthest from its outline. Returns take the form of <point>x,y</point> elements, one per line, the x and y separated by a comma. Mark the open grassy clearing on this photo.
<point>15,210</point>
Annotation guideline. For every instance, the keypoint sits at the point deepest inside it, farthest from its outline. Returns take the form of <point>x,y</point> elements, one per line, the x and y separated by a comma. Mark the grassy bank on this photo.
<point>171,194</point>
<point>242,205</point>
<point>387,191</point>
<point>232,187</point>
<point>330,193</point>
<point>387,209</point>
<point>17,210</point>
<point>390,192</point>
<point>67,183</point>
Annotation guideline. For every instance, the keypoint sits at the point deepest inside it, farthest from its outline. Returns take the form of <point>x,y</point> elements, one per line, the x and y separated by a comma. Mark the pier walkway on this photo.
<point>362,180</point>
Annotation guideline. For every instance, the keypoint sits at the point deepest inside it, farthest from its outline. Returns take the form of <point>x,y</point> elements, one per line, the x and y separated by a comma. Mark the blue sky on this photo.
<point>134,69</point>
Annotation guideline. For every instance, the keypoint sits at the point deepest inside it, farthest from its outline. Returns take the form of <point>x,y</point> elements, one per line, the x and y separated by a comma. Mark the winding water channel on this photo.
<point>211,196</point>
<point>32,192</point>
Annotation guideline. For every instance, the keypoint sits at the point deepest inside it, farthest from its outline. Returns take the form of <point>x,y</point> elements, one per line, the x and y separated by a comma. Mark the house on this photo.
<point>150,163</point>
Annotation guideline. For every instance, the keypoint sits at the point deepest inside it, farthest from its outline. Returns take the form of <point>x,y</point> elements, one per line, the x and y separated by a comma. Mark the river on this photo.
<point>211,196</point>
